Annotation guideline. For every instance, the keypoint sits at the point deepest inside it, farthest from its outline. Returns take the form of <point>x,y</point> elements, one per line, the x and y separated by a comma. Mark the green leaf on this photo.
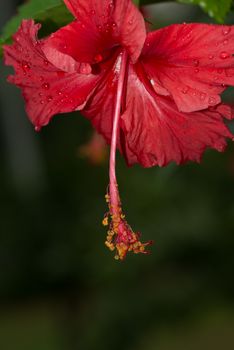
<point>53,12</point>
<point>217,9</point>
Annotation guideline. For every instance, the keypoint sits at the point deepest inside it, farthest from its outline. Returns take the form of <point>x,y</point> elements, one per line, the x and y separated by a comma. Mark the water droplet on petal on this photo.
<point>220,148</point>
<point>226,30</point>
<point>195,63</point>
<point>224,55</point>
<point>45,86</point>
<point>98,58</point>
<point>37,128</point>
<point>202,96</point>
<point>212,101</point>
<point>225,42</point>
<point>185,90</point>
<point>42,102</point>
<point>49,98</point>
<point>25,65</point>
<point>211,57</point>
<point>46,62</point>
<point>196,70</point>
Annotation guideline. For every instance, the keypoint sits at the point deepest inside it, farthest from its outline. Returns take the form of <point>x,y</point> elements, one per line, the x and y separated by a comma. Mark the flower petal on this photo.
<point>47,90</point>
<point>159,133</point>
<point>100,25</point>
<point>100,107</point>
<point>193,62</point>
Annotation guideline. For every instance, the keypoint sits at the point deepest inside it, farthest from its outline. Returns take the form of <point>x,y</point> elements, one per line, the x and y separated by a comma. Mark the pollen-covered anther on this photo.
<point>120,236</point>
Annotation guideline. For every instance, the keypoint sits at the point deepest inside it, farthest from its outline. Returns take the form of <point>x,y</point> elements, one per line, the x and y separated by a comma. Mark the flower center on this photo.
<point>120,236</point>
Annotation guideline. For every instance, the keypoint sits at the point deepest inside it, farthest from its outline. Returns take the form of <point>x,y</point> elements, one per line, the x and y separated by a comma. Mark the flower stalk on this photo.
<point>120,236</point>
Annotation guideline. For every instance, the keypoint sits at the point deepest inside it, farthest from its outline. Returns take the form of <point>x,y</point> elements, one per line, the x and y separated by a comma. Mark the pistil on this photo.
<point>120,236</point>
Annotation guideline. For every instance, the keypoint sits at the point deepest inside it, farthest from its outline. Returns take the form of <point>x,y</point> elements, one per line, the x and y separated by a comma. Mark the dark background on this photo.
<point>61,289</point>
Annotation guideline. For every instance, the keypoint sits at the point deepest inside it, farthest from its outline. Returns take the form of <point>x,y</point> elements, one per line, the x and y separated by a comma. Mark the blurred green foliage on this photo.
<point>216,9</point>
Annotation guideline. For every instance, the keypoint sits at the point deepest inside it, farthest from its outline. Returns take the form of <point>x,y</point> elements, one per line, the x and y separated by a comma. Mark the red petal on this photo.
<point>99,26</point>
<point>159,133</point>
<point>193,62</point>
<point>100,107</point>
<point>46,89</point>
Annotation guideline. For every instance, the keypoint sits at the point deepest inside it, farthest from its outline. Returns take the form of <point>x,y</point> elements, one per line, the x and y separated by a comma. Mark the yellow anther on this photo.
<point>105,221</point>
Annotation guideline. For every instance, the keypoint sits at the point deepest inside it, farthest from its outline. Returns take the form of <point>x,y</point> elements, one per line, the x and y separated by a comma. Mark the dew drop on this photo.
<point>211,57</point>
<point>98,58</point>
<point>99,27</point>
<point>196,63</point>
<point>114,25</point>
<point>49,98</point>
<point>225,42</point>
<point>202,96</point>
<point>92,12</point>
<point>25,65</point>
<point>212,101</point>
<point>130,22</point>
<point>46,62</point>
<point>220,148</point>
<point>196,70</point>
<point>224,55</point>
<point>46,86</point>
<point>37,128</point>
<point>226,30</point>
<point>60,93</point>
<point>185,90</point>
<point>42,102</point>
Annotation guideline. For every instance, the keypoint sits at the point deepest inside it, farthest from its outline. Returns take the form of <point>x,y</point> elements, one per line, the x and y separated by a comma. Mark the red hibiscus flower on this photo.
<point>155,96</point>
